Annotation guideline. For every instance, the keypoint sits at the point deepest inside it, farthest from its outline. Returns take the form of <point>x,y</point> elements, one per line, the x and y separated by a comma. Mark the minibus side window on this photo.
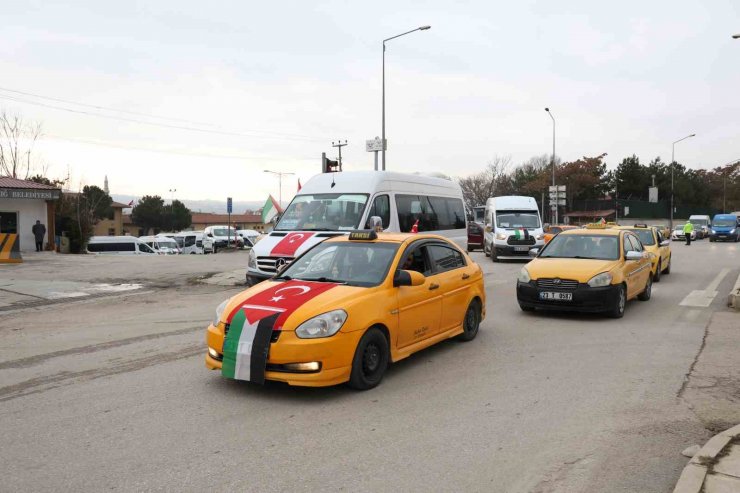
<point>382,208</point>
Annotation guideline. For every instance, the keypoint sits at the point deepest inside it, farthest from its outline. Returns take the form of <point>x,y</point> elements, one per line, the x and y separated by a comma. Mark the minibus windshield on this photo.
<point>323,212</point>
<point>517,219</point>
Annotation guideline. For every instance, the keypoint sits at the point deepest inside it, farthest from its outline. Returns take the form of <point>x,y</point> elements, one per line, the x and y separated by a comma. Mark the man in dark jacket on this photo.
<point>39,230</point>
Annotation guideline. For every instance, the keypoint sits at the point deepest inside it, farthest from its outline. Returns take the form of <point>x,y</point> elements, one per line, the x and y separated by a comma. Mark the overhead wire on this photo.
<point>251,134</point>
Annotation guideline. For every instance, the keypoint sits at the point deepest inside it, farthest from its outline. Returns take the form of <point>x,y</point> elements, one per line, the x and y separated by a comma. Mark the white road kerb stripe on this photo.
<point>704,298</point>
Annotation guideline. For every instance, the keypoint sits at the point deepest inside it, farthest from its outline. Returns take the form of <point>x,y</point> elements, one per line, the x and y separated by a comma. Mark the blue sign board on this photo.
<point>228,205</point>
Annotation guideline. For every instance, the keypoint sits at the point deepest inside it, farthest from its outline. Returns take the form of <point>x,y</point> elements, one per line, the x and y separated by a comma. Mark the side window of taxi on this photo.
<point>417,259</point>
<point>636,243</point>
<point>627,245</point>
<point>445,258</point>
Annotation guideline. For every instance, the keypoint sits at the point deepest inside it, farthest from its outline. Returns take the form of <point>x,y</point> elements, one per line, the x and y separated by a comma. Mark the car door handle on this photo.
<point>466,276</point>
<point>433,287</point>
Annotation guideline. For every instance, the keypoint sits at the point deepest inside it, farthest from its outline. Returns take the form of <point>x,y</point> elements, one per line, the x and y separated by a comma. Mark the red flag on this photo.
<point>299,184</point>
<point>415,227</point>
<point>130,204</point>
<point>290,244</point>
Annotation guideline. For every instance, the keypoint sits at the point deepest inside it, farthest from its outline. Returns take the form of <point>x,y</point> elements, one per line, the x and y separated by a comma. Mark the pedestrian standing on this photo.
<point>688,228</point>
<point>39,230</point>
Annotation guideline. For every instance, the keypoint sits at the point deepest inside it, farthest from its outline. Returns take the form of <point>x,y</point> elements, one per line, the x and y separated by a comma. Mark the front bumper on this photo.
<point>511,252</point>
<point>723,236</point>
<point>585,298</point>
<point>334,353</point>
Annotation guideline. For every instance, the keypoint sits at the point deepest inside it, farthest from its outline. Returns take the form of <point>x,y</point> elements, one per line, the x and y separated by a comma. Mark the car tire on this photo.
<point>658,271</point>
<point>648,291</point>
<point>370,360</point>
<point>494,257</point>
<point>526,308</point>
<point>486,252</point>
<point>668,267</point>
<point>711,240</point>
<point>470,249</point>
<point>620,302</point>
<point>471,322</point>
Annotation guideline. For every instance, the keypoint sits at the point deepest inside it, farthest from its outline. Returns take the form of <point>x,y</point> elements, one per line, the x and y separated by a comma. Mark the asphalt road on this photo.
<point>112,394</point>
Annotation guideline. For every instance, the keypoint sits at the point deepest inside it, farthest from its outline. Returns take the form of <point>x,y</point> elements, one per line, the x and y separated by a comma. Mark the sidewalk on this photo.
<point>716,466</point>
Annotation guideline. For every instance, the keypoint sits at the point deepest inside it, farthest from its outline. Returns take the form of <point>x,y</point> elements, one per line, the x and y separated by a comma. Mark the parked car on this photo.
<point>163,245</point>
<point>118,245</point>
<point>678,233</point>
<point>190,242</point>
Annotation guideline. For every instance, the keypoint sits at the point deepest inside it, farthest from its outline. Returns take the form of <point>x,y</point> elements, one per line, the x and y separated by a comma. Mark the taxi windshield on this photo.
<point>645,235</point>
<point>599,247</point>
<point>517,219</point>
<point>352,263</point>
<point>323,212</point>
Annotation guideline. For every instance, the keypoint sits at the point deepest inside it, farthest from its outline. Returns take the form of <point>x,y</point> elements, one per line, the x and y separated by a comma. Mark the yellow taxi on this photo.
<point>556,229</point>
<point>656,245</point>
<point>595,269</point>
<point>346,308</point>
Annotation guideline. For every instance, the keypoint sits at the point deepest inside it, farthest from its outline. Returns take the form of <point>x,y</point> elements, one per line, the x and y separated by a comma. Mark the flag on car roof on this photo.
<point>270,210</point>
<point>299,184</point>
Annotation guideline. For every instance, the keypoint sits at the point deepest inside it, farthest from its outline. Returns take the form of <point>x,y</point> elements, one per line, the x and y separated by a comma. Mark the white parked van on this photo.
<point>161,244</point>
<point>118,245</point>
<point>331,204</point>
<point>249,237</point>
<point>190,242</point>
<point>512,227</point>
<point>215,237</point>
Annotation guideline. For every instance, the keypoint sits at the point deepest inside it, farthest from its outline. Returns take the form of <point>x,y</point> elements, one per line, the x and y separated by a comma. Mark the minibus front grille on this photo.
<point>512,240</point>
<point>267,264</point>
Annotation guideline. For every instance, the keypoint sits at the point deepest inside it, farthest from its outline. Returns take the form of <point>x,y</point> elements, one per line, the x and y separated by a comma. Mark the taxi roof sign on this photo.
<point>363,235</point>
<point>596,226</point>
<point>641,225</point>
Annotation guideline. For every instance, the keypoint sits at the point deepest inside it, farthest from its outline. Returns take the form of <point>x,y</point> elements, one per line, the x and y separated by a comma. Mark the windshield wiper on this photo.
<point>323,279</point>
<point>282,278</point>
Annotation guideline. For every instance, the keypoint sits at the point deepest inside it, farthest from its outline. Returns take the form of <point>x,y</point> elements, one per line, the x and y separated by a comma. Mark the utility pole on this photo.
<point>339,145</point>
<point>552,162</point>
<point>172,208</point>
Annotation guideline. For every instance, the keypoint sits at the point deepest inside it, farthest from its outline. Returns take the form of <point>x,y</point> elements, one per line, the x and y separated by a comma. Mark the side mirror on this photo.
<point>533,252</point>
<point>633,255</point>
<point>665,243</point>
<point>408,278</point>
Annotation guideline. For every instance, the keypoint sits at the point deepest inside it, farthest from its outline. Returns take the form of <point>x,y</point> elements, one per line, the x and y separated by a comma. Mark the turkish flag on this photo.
<point>290,244</point>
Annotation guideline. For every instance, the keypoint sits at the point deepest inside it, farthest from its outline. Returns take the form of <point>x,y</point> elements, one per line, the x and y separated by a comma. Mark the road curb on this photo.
<point>694,474</point>
<point>733,299</point>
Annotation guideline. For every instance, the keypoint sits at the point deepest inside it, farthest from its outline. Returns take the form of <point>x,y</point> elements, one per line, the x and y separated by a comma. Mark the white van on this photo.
<point>161,244</point>
<point>190,242</point>
<point>215,237</point>
<point>512,227</point>
<point>331,204</point>
<point>118,245</point>
<point>249,236</point>
<point>702,225</point>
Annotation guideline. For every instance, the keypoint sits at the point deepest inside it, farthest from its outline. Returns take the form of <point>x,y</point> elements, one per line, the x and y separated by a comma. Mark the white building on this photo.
<point>22,203</point>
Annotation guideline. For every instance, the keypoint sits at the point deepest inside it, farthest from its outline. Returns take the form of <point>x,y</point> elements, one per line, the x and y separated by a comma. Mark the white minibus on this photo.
<point>161,244</point>
<point>331,204</point>
<point>512,227</point>
<point>118,245</point>
<point>190,242</point>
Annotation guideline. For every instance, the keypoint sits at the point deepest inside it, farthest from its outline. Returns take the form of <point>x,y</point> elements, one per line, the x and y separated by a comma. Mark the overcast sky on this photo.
<point>285,79</point>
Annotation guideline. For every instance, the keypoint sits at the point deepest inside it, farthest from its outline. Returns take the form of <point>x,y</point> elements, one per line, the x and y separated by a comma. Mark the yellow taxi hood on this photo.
<point>295,301</point>
<point>580,270</point>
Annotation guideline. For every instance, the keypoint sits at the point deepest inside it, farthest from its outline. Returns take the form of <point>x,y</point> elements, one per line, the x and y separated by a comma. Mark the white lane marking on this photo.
<point>704,298</point>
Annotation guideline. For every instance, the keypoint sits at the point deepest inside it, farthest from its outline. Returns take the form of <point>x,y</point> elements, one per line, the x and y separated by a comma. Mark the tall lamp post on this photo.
<point>172,208</point>
<point>382,142</point>
<point>280,183</point>
<point>552,163</point>
<point>673,165</point>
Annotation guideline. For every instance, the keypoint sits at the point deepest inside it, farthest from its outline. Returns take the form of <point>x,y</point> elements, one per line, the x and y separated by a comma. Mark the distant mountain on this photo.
<point>216,206</point>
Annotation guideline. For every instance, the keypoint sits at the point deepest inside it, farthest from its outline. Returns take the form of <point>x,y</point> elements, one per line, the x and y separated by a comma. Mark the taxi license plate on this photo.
<point>521,249</point>
<point>550,295</point>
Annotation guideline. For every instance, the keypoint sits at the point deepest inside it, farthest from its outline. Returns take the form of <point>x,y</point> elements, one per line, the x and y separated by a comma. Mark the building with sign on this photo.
<point>22,203</point>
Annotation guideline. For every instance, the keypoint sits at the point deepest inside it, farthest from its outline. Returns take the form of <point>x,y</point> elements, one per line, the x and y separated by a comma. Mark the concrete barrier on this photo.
<point>733,299</point>
<point>10,251</point>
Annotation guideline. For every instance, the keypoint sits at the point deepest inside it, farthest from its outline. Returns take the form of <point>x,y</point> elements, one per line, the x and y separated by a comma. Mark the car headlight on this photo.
<point>324,325</point>
<point>600,280</point>
<point>732,232</point>
<point>500,236</point>
<point>539,237</point>
<point>252,259</point>
<point>714,232</point>
<point>524,275</point>
<point>219,311</point>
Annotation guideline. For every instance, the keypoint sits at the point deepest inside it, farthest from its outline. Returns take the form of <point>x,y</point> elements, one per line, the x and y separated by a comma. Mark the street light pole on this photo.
<point>172,208</point>
<point>552,163</point>
<point>673,165</point>
<point>280,183</point>
<point>383,145</point>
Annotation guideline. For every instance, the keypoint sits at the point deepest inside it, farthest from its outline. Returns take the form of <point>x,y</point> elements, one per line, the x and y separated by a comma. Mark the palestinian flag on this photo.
<point>270,210</point>
<point>521,234</point>
<point>252,323</point>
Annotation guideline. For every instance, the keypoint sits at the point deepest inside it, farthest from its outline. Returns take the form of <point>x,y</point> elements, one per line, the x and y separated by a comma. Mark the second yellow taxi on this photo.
<point>657,246</point>
<point>595,269</point>
<point>346,308</point>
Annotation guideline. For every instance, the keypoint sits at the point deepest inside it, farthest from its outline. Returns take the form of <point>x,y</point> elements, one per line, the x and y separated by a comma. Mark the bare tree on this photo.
<point>17,140</point>
<point>493,180</point>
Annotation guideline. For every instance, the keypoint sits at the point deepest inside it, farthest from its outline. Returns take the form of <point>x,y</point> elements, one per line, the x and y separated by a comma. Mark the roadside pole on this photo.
<point>375,145</point>
<point>229,205</point>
